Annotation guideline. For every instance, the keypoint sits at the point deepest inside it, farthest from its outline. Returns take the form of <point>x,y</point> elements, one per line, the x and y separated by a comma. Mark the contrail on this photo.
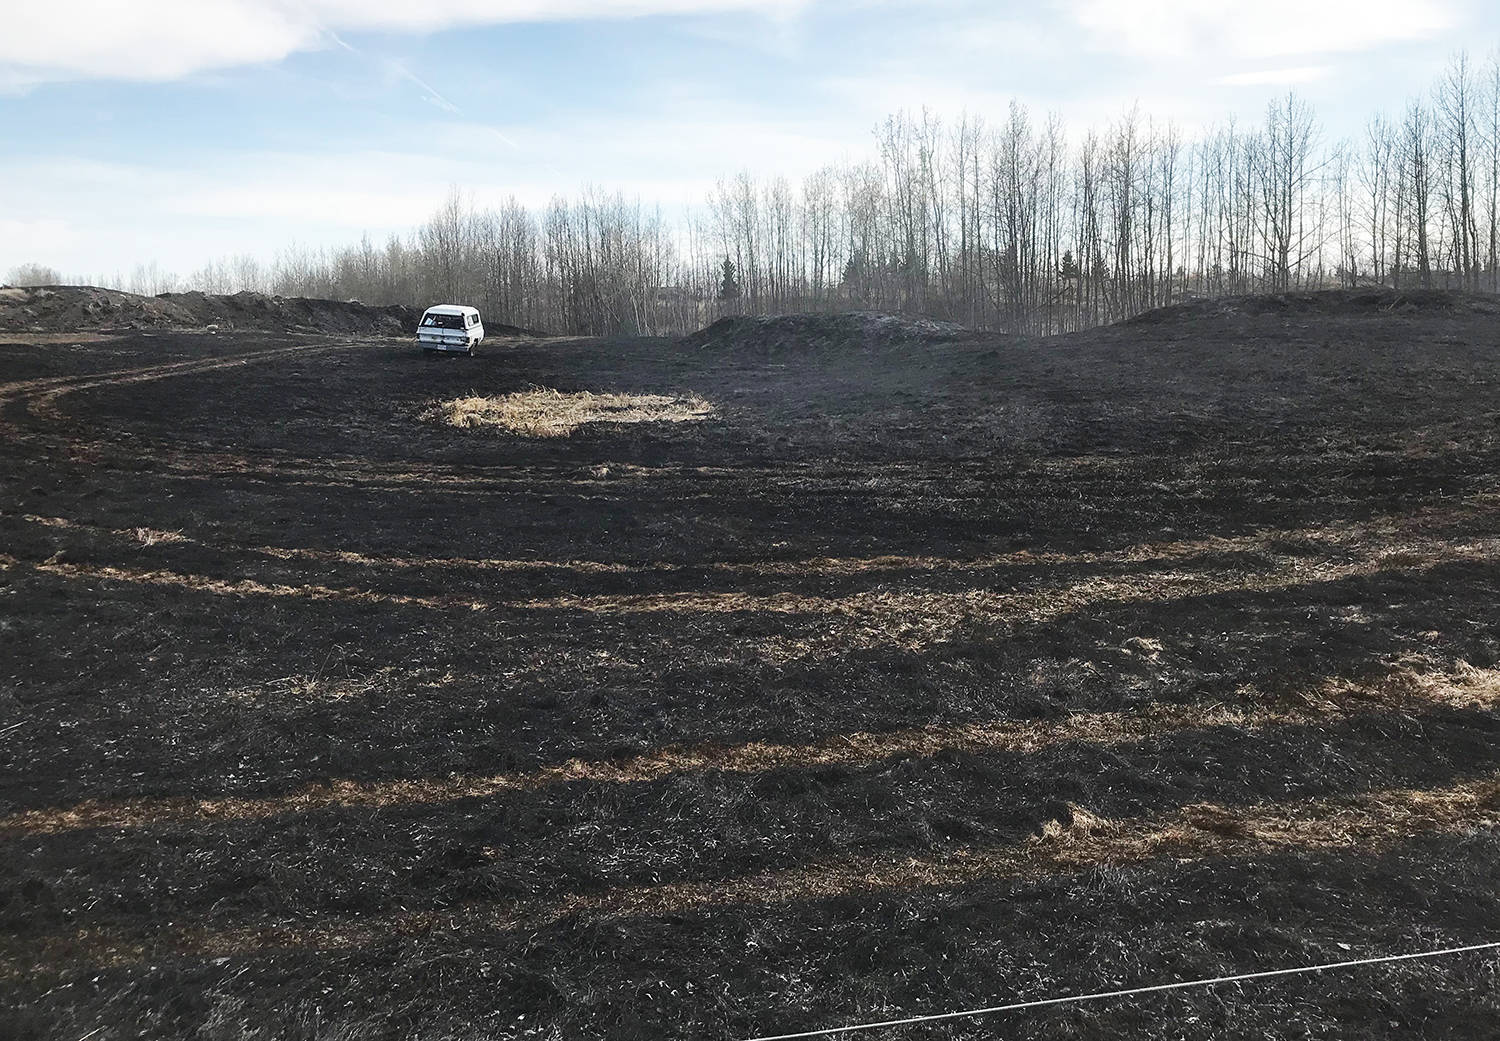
<point>434,96</point>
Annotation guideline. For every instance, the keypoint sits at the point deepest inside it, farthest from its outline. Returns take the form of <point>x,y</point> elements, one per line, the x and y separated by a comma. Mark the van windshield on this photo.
<point>443,321</point>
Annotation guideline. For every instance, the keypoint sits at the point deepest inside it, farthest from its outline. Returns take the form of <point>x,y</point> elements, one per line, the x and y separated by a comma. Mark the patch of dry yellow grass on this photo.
<point>551,413</point>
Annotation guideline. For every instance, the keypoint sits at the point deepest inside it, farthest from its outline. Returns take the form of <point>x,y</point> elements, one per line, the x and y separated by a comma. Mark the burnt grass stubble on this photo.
<point>156,670</point>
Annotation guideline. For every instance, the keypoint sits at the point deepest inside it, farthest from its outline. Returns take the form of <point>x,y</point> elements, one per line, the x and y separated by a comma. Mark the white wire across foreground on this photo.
<point>1102,995</point>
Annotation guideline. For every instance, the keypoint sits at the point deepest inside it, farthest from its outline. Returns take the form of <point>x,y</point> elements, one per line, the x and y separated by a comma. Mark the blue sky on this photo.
<point>180,130</point>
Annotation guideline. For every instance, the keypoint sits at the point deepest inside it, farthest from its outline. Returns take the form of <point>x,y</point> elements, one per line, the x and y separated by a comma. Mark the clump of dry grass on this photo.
<point>550,413</point>
<point>1081,826</point>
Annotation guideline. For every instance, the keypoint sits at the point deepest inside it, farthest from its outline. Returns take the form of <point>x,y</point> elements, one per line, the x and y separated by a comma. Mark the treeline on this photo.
<point>1004,224</point>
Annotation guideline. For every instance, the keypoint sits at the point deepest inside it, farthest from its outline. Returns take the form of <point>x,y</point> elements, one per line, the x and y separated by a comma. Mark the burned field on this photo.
<point>909,675</point>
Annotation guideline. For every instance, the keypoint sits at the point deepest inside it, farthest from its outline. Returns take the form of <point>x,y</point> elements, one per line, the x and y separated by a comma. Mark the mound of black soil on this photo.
<point>76,308</point>
<point>1332,302</point>
<point>277,313</point>
<point>805,333</point>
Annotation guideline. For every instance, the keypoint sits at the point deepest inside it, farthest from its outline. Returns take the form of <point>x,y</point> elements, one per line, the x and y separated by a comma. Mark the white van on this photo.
<point>450,327</point>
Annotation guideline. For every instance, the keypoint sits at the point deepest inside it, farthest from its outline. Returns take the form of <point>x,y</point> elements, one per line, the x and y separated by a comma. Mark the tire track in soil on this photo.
<point>55,386</point>
<point>1330,538</point>
<point>1401,689</point>
<point>41,395</point>
<point>1370,823</point>
<point>864,620</point>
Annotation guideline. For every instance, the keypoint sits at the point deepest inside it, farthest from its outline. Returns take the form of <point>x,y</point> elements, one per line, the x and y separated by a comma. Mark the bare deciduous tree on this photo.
<point>1004,225</point>
<point>33,275</point>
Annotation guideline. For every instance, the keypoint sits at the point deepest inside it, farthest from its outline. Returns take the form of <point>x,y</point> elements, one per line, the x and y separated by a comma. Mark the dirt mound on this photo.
<point>75,308</point>
<point>259,311</point>
<point>1339,302</point>
<point>69,308</point>
<point>802,333</point>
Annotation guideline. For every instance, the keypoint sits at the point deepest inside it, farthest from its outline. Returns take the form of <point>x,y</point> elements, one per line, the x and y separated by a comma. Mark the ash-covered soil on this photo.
<point>954,672</point>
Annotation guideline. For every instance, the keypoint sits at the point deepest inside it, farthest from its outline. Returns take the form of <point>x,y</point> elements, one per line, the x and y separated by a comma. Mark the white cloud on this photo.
<point>42,241</point>
<point>1275,77</point>
<point>168,39</point>
<point>1258,29</point>
<point>144,39</point>
<point>84,215</point>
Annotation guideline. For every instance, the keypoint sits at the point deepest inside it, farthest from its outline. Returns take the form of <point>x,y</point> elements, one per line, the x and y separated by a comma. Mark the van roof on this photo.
<point>451,309</point>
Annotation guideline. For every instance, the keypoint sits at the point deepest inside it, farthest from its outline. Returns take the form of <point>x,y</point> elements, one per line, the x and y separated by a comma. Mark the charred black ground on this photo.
<point>932,670</point>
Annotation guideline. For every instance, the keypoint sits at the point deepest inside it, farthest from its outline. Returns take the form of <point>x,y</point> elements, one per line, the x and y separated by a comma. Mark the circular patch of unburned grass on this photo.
<point>542,412</point>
